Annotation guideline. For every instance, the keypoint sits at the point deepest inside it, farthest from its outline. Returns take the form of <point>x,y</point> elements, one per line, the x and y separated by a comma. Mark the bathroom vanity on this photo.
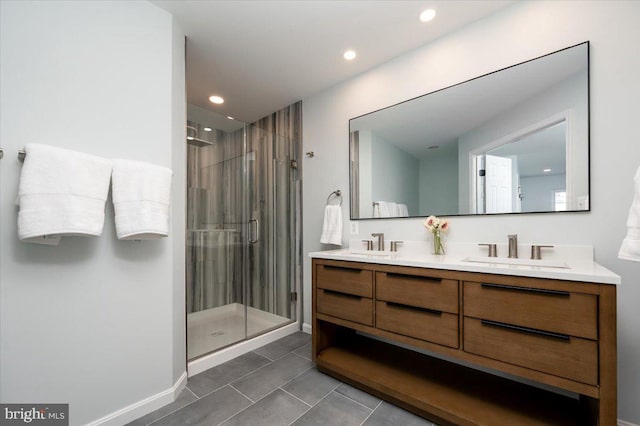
<point>470,343</point>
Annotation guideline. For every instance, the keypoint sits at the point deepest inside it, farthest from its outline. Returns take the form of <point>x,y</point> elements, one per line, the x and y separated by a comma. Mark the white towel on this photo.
<point>332,227</point>
<point>630,248</point>
<point>383,209</point>
<point>394,211</point>
<point>61,192</point>
<point>403,210</point>
<point>141,198</point>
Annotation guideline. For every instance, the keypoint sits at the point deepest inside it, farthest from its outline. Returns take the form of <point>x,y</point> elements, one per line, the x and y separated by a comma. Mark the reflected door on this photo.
<point>498,184</point>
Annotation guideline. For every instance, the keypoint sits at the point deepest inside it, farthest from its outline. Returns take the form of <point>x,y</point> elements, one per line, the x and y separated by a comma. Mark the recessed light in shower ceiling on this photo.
<point>427,15</point>
<point>216,99</point>
<point>207,129</point>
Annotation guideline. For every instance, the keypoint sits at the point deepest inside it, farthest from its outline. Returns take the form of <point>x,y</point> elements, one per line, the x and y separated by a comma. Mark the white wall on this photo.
<point>94,322</point>
<point>517,33</point>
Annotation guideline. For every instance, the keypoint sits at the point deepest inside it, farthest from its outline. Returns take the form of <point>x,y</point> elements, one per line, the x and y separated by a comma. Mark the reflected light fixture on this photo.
<point>546,170</point>
<point>216,99</point>
<point>349,55</point>
<point>207,129</point>
<point>230,117</point>
<point>427,15</point>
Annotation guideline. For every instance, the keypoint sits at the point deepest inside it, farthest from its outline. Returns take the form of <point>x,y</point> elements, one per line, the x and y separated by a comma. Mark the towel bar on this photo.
<point>337,193</point>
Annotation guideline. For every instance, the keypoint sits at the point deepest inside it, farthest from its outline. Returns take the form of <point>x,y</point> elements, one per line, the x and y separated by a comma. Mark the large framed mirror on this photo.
<point>512,141</point>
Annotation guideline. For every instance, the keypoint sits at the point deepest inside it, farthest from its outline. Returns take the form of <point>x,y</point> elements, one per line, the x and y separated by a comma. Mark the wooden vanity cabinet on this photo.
<point>539,332</point>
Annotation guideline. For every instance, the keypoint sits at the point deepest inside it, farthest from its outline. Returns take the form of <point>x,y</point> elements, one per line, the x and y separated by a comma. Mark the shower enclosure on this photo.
<point>242,247</point>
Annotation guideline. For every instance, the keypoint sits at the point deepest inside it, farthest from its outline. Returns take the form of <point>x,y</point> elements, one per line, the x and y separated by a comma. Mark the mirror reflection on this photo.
<point>513,141</point>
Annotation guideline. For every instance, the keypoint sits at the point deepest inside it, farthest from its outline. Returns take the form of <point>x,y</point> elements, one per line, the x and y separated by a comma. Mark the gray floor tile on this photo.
<point>387,414</point>
<point>183,399</point>
<point>210,380</point>
<point>285,345</point>
<point>210,410</point>
<point>358,395</point>
<point>267,379</point>
<point>311,386</point>
<point>304,351</point>
<point>335,410</point>
<point>276,409</point>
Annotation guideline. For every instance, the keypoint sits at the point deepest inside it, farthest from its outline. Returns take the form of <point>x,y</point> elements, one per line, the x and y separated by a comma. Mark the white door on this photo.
<point>498,185</point>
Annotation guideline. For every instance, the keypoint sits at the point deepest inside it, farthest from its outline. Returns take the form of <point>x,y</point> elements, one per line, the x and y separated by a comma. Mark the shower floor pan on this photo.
<point>215,328</point>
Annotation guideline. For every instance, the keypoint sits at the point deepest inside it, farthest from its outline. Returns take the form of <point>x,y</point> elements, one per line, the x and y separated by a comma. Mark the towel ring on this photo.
<point>337,193</point>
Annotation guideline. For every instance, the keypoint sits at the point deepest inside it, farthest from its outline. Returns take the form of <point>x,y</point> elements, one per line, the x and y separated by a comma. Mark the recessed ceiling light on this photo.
<point>546,170</point>
<point>230,117</point>
<point>216,99</point>
<point>207,129</point>
<point>427,15</point>
<point>349,55</point>
<point>190,138</point>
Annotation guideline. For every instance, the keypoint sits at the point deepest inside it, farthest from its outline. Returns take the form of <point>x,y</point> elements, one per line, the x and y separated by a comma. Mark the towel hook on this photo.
<point>21,155</point>
<point>337,193</point>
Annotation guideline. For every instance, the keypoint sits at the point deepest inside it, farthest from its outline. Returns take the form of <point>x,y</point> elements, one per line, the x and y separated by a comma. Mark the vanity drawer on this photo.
<point>345,306</point>
<point>561,355</point>
<point>430,325</point>
<point>561,312</point>
<point>415,290</point>
<point>345,279</point>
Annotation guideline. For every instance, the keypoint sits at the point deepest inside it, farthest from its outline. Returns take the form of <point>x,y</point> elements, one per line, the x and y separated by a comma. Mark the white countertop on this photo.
<point>577,259</point>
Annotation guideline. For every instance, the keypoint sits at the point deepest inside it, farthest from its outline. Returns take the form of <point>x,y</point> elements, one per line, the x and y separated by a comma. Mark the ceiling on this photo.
<point>264,55</point>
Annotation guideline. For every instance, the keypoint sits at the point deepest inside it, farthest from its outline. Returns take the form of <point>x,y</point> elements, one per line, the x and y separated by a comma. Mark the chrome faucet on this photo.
<point>380,236</point>
<point>513,246</point>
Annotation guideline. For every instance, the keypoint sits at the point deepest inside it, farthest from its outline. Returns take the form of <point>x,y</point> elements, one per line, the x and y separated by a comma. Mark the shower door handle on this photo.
<point>254,237</point>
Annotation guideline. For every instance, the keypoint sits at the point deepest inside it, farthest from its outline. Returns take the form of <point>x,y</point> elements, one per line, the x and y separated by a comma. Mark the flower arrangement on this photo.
<point>437,227</point>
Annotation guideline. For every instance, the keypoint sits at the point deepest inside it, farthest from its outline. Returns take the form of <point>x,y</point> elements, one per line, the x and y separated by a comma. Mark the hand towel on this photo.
<point>61,192</point>
<point>383,208</point>
<point>403,210</point>
<point>393,210</point>
<point>141,198</point>
<point>332,227</point>
<point>630,248</point>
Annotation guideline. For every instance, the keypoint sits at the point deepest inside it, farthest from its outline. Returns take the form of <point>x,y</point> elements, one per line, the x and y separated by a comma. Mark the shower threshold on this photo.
<point>216,328</point>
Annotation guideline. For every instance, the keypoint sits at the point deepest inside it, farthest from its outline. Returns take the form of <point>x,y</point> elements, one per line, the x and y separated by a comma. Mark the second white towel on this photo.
<point>141,198</point>
<point>332,226</point>
<point>630,248</point>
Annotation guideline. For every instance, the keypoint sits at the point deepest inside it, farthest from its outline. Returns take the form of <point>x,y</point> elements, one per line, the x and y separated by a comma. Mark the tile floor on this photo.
<point>275,385</point>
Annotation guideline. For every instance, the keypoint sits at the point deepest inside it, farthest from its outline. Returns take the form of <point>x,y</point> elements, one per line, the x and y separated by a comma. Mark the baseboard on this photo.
<point>306,328</point>
<point>623,423</point>
<point>223,355</point>
<point>146,406</point>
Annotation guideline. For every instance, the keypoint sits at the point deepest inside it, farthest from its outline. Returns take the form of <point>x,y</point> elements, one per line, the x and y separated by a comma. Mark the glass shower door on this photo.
<point>270,255</point>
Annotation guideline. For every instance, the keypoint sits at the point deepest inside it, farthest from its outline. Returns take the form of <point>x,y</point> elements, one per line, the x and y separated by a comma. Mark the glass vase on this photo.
<point>438,243</point>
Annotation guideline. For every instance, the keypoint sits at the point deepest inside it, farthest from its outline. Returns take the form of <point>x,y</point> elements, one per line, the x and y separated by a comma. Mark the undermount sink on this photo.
<point>369,253</point>
<point>518,262</point>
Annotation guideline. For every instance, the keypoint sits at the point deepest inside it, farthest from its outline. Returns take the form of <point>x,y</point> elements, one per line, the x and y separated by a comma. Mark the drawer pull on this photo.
<point>412,277</point>
<point>558,336</point>
<point>414,308</point>
<point>340,294</point>
<point>343,268</point>
<point>527,289</point>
